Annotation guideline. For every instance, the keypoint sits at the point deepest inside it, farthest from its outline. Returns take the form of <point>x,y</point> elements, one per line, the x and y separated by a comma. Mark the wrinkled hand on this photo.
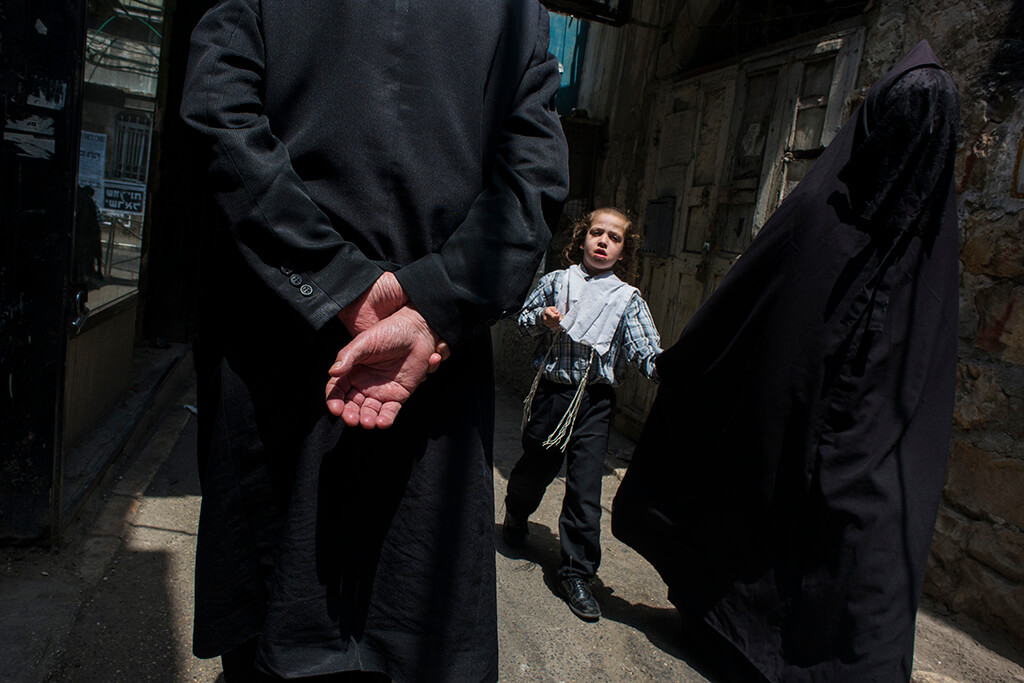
<point>378,370</point>
<point>551,317</point>
<point>382,299</point>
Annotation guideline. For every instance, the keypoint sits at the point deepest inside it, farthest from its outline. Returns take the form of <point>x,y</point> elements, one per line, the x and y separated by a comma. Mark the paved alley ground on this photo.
<point>115,604</point>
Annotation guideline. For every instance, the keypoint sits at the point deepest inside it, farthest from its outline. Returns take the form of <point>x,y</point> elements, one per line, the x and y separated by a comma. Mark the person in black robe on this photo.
<point>370,163</point>
<point>787,481</point>
<point>87,261</point>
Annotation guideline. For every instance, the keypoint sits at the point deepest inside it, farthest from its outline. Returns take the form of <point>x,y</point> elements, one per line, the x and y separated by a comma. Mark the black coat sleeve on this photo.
<point>484,270</point>
<point>283,235</point>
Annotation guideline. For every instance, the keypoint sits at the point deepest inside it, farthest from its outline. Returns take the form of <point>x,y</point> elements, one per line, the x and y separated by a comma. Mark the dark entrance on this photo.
<point>41,90</point>
<point>87,239</point>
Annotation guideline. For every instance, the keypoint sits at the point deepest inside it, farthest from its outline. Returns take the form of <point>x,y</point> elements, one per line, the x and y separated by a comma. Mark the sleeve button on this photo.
<point>306,290</point>
<point>287,270</point>
<point>295,279</point>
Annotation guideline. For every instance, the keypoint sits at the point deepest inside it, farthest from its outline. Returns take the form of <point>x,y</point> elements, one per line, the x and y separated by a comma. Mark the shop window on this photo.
<point>122,65</point>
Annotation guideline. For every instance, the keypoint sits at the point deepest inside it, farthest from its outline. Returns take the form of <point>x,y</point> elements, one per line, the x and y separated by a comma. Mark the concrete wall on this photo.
<point>977,563</point>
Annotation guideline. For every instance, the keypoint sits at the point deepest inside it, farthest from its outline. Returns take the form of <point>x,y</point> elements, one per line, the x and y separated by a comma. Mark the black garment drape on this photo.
<point>788,478</point>
<point>346,139</point>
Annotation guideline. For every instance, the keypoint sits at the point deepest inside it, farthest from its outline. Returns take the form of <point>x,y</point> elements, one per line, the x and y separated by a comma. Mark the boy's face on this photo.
<point>602,247</point>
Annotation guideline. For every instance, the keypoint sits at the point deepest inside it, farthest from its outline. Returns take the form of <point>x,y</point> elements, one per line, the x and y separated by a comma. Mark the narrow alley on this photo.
<point>116,604</point>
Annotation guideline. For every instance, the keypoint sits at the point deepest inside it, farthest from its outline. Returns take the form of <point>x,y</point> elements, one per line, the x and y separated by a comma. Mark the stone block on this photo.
<point>995,248</point>
<point>952,525</point>
<point>994,441</point>
<point>939,583</point>
<point>947,554</point>
<point>970,285</point>
<point>979,397</point>
<point>1000,549</point>
<point>990,598</point>
<point>1001,321</point>
<point>975,166</point>
<point>987,485</point>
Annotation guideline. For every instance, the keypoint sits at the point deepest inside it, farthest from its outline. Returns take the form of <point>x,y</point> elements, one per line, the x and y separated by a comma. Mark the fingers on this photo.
<point>358,410</point>
<point>441,352</point>
<point>351,355</point>
<point>375,373</point>
<point>551,317</point>
<point>343,365</point>
<point>344,401</point>
<point>351,414</point>
<point>433,363</point>
<point>387,414</point>
<point>335,397</point>
<point>369,411</point>
<point>352,405</point>
<point>335,406</point>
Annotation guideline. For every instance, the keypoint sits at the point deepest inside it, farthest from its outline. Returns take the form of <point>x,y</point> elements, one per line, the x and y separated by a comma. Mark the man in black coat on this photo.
<point>387,175</point>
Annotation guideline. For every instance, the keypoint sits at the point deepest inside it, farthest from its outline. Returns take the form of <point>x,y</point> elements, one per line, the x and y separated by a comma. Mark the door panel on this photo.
<point>713,98</point>
<point>39,94</point>
<point>727,147</point>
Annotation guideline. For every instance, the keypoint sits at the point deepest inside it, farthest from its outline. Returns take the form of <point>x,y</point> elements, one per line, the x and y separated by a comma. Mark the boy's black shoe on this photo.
<point>576,591</point>
<point>514,530</point>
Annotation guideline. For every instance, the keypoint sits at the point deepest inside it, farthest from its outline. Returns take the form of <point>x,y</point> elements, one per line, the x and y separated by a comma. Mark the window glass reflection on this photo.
<point>122,62</point>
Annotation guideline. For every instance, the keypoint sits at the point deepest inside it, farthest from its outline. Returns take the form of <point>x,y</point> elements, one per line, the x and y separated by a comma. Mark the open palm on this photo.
<point>380,368</point>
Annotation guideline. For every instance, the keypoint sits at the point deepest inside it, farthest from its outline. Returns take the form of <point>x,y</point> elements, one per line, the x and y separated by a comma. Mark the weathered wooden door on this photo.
<point>726,148</point>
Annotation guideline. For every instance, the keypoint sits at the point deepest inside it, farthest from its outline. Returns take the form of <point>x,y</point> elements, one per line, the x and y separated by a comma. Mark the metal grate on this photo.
<point>131,145</point>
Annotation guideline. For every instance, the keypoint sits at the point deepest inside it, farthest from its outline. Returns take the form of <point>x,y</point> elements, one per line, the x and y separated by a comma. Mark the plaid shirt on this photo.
<point>636,340</point>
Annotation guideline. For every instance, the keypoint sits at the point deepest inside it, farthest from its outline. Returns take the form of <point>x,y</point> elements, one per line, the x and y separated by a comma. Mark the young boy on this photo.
<point>593,323</point>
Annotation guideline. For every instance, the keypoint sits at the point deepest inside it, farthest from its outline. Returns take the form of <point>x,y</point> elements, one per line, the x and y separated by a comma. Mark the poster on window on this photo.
<point>92,159</point>
<point>124,197</point>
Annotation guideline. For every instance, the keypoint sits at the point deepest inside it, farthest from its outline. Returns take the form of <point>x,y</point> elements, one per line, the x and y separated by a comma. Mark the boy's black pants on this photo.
<point>579,526</point>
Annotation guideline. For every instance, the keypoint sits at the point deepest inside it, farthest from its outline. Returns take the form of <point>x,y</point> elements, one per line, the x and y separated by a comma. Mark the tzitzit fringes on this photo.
<point>563,430</point>
<point>528,401</point>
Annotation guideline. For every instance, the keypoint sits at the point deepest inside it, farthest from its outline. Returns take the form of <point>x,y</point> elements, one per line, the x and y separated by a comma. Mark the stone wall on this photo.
<point>977,564</point>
